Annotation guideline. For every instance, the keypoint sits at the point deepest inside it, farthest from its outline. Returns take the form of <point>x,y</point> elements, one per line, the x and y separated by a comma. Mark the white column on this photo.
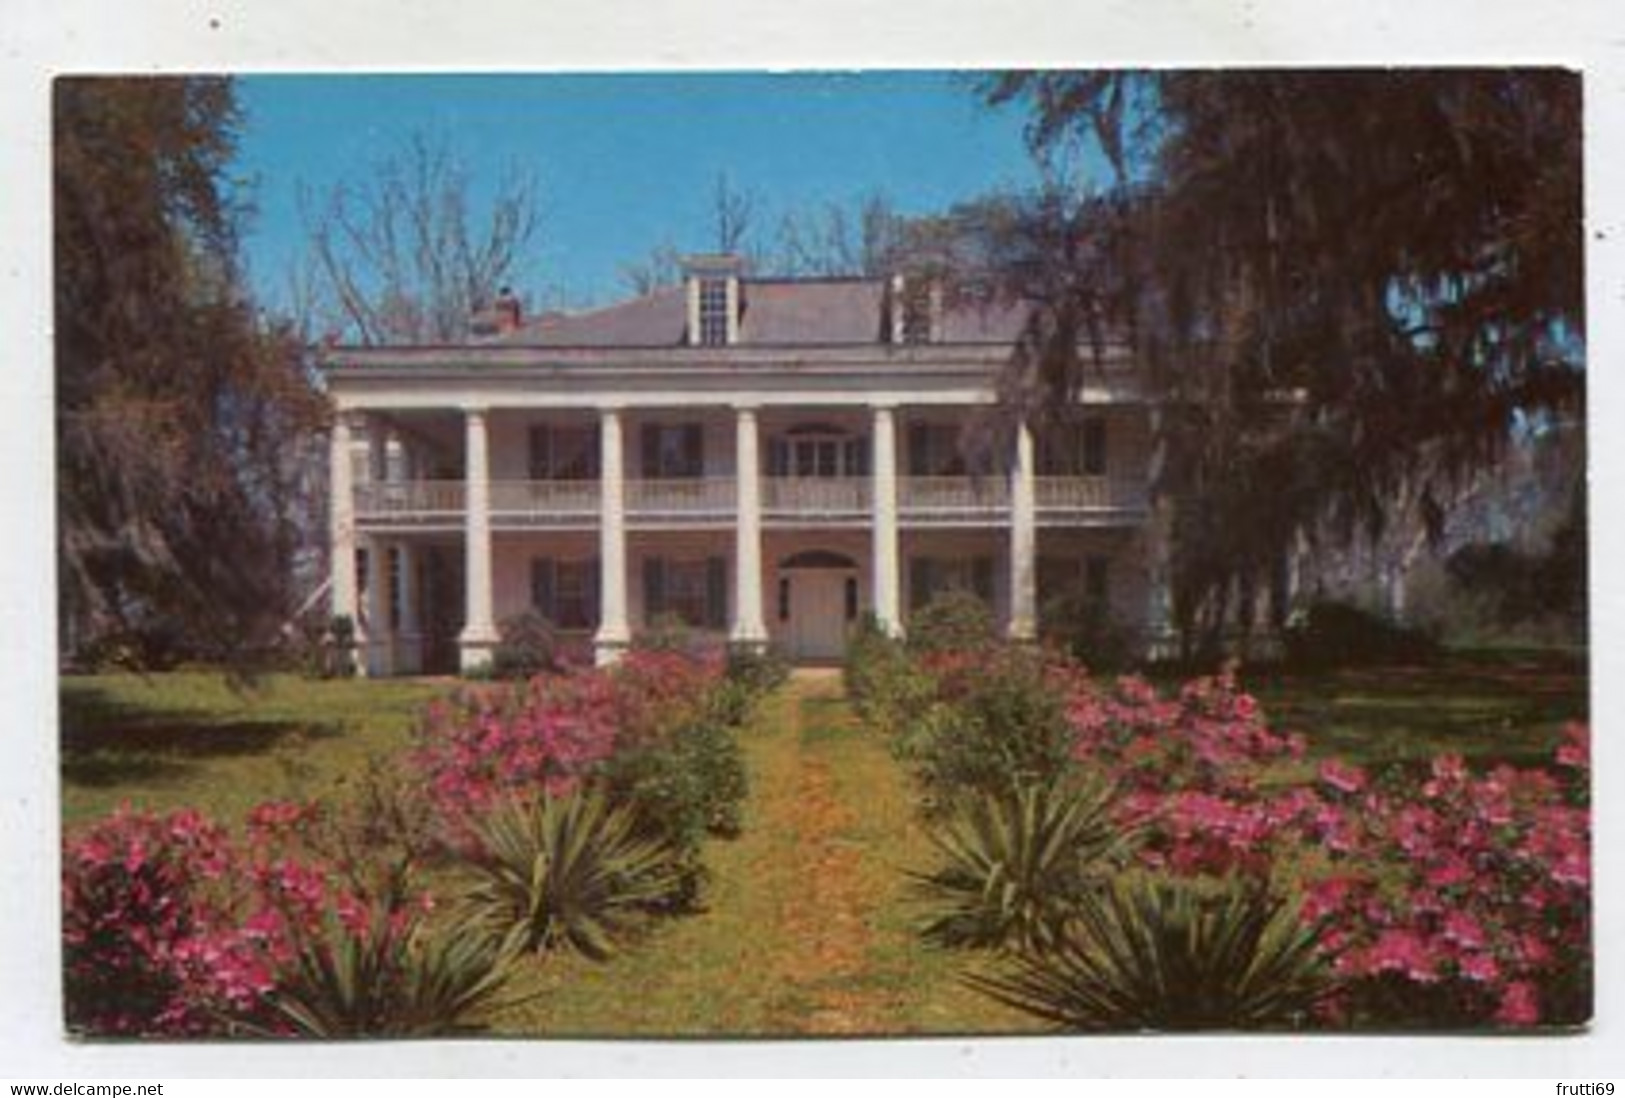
<point>409,643</point>
<point>380,637</point>
<point>1023,541</point>
<point>341,517</point>
<point>748,626</point>
<point>883,479</point>
<point>1161,642</point>
<point>614,634</point>
<point>479,626</point>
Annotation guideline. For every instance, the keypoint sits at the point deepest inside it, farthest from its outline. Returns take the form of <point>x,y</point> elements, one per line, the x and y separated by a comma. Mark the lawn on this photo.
<point>193,739</point>
<point>807,926</point>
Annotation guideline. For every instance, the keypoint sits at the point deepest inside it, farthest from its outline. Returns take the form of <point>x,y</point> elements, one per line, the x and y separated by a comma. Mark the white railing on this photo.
<point>922,496</point>
<point>545,500</point>
<point>680,498</point>
<point>412,499</point>
<point>815,497</point>
<point>1088,494</point>
<point>542,502</point>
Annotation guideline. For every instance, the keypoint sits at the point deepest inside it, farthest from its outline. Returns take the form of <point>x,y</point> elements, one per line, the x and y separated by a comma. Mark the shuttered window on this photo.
<point>565,592</point>
<point>563,453</point>
<point>931,577</point>
<point>673,451</point>
<point>694,592</point>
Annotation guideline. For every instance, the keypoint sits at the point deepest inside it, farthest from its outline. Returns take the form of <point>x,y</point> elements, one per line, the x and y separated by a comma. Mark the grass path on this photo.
<point>807,930</point>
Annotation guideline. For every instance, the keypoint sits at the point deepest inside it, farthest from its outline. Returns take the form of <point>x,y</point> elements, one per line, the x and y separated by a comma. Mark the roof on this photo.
<point>775,312</point>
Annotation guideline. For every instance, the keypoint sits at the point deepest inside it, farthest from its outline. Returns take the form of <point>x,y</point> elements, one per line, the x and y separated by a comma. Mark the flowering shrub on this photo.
<point>172,927</point>
<point>1449,898</point>
<point>1442,896</point>
<point>655,731</point>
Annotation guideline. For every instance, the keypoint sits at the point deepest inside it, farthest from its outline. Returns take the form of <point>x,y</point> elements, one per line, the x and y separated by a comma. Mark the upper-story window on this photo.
<point>817,451</point>
<point>673,451</point>
<point>1077,449</point>
<point>713,311</point>
<point>916,306</point>
<point>563,453</point>
<point>934,450</point>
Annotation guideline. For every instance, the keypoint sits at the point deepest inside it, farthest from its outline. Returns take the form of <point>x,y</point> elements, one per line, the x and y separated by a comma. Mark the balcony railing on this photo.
<point>688,498</point>
<point>544,502</point>
<point>815,497</point>
<point>411,501</point>
<point>936,497</point>
<point>1081,494</point>
<point>577,502</point>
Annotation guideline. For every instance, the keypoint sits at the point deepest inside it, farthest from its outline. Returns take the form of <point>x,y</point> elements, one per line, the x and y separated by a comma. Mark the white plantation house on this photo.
<point>766,459</point>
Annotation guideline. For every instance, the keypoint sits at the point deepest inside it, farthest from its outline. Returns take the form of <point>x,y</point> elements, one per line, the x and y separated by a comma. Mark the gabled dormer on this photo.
<point>915,308</point>
<point>714,302</point>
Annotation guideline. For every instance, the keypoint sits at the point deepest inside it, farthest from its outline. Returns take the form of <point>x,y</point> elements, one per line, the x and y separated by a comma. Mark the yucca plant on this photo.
<point>570,872</point>
<point>1017,864</point>
<point>1171,955</point>
<point>391,977</point>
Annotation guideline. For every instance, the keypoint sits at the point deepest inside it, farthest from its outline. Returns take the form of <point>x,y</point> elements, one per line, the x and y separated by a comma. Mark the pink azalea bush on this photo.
<point>173,927</point>
<point>1446,896</point>
<point>554,732</point>
<point>1449,898</point>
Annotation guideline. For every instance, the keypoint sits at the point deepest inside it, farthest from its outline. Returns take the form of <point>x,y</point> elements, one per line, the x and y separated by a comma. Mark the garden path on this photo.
<point>809,926</point>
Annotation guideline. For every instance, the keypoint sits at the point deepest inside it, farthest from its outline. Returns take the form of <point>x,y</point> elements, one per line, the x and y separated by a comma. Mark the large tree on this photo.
<point>1350,288</point>
<point>179,414</point>
<point>411,252</point>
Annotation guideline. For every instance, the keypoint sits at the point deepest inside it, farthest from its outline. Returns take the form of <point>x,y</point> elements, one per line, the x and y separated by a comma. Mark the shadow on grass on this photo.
<point>105,741</point>
<point>1500,707</point>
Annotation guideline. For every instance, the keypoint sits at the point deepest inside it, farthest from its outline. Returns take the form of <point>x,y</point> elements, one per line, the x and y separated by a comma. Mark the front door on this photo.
<point>818,599</point>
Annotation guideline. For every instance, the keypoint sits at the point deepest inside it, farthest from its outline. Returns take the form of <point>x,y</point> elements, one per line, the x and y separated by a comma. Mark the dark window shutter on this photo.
<point>778,458</point>
<point>981,578</point>
<point>595,599</point>
<point>651,451</point>
<point>595,452</point>
<point>784,598</point>
<point>654,588</point>
<point>693,450</point>
<point>919,582</point>
<point>1094,447</point>
<point>1097,579</point>
<point>542,587</point>
<point>851,598</point>
<point>919,442</point>
<point>716,592</point>
<point>541,453</point>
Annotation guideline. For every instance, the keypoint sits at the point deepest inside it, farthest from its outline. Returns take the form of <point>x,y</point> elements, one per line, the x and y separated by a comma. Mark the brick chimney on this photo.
<point>509,313</point>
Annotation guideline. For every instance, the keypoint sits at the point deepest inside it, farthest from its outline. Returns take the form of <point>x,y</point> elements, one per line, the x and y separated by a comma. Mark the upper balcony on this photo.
<point>785,501</point>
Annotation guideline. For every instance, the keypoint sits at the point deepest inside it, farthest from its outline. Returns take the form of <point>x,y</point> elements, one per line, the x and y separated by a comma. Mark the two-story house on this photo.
<point>767,459</point>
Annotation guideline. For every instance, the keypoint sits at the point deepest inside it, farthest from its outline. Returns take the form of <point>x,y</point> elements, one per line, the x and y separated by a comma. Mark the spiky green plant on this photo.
<point>1016,865</point>
<point>570,872</point>
<point>1171,955</point>
<point>391,977</point>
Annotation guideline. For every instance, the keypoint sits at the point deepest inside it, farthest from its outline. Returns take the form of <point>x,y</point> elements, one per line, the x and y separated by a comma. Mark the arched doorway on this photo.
<point>817,601</point>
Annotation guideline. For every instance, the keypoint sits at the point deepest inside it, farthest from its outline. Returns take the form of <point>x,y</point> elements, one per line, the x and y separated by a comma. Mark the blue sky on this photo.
<point>627,162</point>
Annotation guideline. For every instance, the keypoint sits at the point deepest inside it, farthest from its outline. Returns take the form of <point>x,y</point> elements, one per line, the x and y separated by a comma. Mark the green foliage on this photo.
<point>954,621</point>
<point>527,646</point>
<point>757,669</point>
<point>569,873</point>
<point>390,976</point>
<point>1321,234</point>
<point>1148,954</point>
<point>183,420</point>
<point>1085,629</point>
<point>887,688</point>
<point>1337,634</point>
<point>1016,866</point>
<point>997,726</point>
